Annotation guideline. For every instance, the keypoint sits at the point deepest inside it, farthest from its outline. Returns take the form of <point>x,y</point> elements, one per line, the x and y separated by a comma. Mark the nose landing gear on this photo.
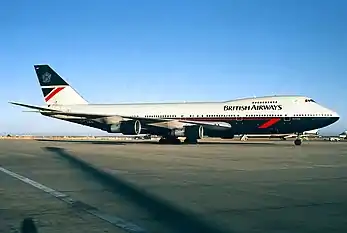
<point>298,140</point>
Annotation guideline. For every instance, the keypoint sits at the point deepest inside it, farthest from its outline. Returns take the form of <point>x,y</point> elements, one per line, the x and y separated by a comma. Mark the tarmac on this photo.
<point>115,186</point>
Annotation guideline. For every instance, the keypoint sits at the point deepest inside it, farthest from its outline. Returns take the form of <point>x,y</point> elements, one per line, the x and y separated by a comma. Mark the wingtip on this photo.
<point>16,103</point>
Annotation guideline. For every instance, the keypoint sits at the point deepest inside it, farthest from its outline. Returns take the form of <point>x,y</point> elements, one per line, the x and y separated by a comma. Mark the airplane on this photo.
<point>283,114</point>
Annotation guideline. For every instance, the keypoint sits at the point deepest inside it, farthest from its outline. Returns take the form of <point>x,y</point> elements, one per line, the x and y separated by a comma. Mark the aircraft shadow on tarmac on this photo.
<point>109,142</point>
<point>178,219</point>
<point>28,226</point>
<point>87,141</point>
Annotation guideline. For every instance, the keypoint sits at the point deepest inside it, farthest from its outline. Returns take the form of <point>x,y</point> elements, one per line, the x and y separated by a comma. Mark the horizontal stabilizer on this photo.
<point>33,107</point>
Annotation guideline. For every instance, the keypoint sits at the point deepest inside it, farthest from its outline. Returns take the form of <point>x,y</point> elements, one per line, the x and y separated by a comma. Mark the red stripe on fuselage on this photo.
<point>53,93</point>
<point>227,119</point>
<point>269,123</point>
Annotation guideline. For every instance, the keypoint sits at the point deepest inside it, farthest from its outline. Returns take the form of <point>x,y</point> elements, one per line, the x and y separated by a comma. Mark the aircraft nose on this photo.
<point>334,116</point>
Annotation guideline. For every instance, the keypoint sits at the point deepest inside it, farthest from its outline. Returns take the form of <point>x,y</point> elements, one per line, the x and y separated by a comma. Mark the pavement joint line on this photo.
<point>114,220</point>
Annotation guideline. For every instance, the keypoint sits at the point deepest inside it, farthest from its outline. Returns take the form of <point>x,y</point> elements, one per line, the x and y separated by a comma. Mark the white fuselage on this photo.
<point>274,114</point>
<point>291,106</point>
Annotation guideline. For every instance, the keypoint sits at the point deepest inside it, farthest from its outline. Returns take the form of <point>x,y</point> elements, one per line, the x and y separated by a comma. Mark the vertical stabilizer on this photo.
<point>56,90</point>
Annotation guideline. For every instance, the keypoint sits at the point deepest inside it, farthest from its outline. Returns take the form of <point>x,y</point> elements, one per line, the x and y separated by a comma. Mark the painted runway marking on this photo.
<point>114,220</point>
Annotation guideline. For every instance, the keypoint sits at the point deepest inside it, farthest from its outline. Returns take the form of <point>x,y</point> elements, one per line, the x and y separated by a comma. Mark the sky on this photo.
<point>115,51</point>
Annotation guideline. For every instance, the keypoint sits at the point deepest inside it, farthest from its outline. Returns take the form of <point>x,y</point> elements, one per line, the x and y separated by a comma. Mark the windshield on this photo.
<point>310,100</point>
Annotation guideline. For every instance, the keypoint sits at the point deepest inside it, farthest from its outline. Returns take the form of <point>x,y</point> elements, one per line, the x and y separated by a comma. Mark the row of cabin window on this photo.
<point>280,115</point>
<point>298,115</point>
<point>255,115</point>
<point>174,116</point>
<point>161,116</point>
<point>265,102</point>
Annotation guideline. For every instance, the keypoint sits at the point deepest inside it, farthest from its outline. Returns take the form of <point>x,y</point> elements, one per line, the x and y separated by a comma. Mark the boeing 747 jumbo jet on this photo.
<point>192,120</point>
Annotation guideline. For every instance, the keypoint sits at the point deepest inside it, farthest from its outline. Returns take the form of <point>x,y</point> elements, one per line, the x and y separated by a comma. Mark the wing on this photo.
<point>156,122</point>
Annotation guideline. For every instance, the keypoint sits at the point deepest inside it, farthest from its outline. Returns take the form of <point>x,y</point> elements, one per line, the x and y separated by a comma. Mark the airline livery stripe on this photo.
<point>269,123</point>
<point>46,91</point>
<point>53,93</point>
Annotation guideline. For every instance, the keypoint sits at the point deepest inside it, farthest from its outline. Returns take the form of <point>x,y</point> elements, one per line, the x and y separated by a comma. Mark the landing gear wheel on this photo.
<point>162,140</point>
<point>176,141</point>
<point>169,141</point>
<point>298,142</point>
<point>191,141</point>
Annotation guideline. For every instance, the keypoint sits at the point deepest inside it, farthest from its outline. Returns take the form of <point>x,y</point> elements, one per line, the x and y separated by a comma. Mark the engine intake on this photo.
<point>132,127</point>
<point>196,132</point>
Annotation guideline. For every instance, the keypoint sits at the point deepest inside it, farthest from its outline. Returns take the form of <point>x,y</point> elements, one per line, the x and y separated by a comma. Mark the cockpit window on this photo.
<point>310,100</point>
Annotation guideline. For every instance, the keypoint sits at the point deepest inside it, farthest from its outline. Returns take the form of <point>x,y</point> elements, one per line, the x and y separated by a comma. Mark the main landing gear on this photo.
<point>169,140</point>
<point>190,141</point>
<point>174,140</point>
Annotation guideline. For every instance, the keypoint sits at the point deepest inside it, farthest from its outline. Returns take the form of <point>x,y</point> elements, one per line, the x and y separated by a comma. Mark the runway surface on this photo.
<point>268,186</point>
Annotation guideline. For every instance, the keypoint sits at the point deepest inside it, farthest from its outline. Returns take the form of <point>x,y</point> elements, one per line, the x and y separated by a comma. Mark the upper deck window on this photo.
<point>310,100</point>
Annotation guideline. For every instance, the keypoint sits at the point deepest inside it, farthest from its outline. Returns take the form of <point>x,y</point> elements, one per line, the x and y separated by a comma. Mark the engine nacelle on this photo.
<point>196,131</point>
<point>132,127</point>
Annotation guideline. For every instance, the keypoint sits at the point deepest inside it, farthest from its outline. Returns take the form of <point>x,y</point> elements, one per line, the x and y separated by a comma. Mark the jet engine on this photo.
<point>196,131</point>
<point>132,127</point>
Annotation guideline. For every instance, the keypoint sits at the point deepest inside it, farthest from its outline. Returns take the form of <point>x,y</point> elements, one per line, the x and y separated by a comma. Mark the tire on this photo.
<point>297,142</point>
